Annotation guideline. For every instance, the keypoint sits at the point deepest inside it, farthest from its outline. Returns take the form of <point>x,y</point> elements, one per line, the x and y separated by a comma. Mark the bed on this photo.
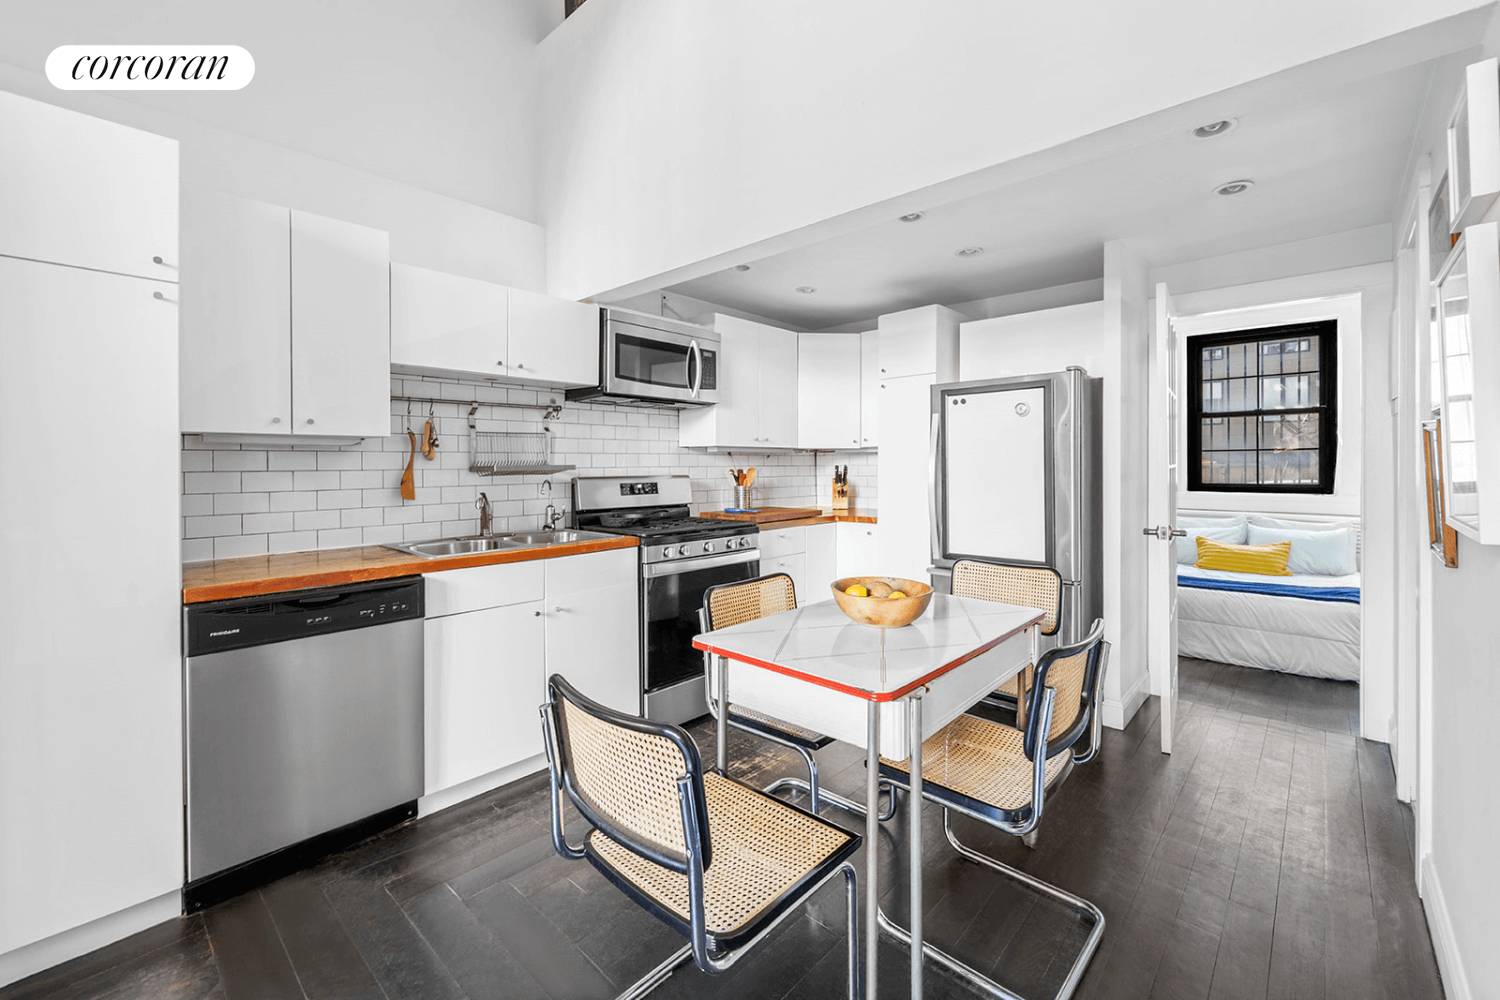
<point>1307,623</point>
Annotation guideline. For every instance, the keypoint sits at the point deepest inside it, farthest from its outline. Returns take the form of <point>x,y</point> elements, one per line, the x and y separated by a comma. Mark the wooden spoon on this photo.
<point>427,448</point>
<point>408,478</point>
<point>750,477</point>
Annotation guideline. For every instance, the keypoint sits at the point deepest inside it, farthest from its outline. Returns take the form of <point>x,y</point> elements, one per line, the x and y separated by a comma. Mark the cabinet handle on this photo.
<point>855,441</point>
<point>156,260</point>
<point>275,420</point>
<point>536,614</point>
<point>500,363</point>
<point>309,419</point>
<point>558,610</point>
<point>520,366</point>
<point>882,371</point>
<point>158,296</point>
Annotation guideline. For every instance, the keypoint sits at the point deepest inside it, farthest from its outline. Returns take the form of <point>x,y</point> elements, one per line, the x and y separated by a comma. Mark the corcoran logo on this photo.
<point>150,67</point>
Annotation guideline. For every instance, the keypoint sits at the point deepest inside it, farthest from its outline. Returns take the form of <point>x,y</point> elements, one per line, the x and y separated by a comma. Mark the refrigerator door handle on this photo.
<point>933,514</point>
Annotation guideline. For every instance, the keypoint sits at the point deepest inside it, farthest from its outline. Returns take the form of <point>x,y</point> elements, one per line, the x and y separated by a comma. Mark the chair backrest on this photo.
<point>732,603</point>
<point>1073,672</point>
<point>1028,586</point>
<point>623,774</point>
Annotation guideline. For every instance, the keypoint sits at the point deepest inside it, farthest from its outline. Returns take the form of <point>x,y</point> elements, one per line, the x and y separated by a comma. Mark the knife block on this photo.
<point>841,493</point>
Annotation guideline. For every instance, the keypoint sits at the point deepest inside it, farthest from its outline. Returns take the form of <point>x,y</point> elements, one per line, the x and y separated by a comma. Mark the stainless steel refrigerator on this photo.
<point>1015,478</point>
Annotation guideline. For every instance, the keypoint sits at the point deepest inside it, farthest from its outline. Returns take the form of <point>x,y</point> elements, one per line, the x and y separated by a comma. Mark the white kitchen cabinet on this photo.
<point>793,565</point>
<point>905,547</point>
<point>236,331</point>
<point>820,566</point>
<point>828,390</point>
<point>286,326</point>
<point>456,591</point>
<point>446,324</point>
<point>757,406</point>
<point>869,389</point>
<point>85,192</point>
<point>553,341</point>
<point>341,328</point>
<point>857,550</point>
<point>921,341</point>
<point>483,683</point>
<point>593,626</point>
<point>90,660</point>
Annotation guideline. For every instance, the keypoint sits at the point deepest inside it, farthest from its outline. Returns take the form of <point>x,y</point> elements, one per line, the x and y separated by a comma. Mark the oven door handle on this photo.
<point>653,570</point>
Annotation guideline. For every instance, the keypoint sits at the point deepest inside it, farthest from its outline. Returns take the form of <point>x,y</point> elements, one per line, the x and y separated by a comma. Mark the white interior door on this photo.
<point>1162,629</point>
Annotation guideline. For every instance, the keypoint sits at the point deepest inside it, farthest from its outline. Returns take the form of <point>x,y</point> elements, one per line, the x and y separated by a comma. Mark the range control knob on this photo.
<point>666,553</point>
<point>682,550</point>
<point>708,546</point>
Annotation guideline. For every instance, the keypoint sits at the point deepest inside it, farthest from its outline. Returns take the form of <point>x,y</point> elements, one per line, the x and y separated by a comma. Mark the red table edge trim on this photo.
<point>883,696</point>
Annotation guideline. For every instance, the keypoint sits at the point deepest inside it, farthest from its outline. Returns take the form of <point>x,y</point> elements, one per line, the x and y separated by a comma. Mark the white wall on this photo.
<point>677,132</point>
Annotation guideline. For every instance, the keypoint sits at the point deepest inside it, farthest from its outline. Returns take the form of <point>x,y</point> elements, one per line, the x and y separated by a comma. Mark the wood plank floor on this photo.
<point>1266,858</point>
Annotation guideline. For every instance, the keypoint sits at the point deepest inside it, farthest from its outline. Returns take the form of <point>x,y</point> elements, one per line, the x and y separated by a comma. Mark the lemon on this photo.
<point>894,594</point>
<point>855,590</point>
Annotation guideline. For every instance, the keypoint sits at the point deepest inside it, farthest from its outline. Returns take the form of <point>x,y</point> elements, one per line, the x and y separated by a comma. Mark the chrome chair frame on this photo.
<point>817,795</point>
<point>1039,749</point>
<point>691,799</point>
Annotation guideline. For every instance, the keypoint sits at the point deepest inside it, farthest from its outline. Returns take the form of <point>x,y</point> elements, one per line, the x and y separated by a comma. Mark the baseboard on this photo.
<point>1450,962</point>
<point>1117,714</point>
<point>448,797</point>
<point>38,956</point>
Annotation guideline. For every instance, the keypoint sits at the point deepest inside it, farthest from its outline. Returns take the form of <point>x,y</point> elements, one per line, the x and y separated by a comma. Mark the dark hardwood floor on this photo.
<point>1266,858</point>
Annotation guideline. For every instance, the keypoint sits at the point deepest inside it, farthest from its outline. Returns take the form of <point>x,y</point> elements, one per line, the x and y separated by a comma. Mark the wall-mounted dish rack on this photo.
<point>507,453</point>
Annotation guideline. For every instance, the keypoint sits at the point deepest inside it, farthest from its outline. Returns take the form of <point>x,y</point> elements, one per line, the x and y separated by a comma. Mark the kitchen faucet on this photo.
<point>486,516</point>
<point>552,517</point>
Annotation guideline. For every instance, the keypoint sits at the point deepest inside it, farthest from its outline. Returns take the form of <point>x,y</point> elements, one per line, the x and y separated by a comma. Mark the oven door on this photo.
<point>647,363</point>
<point>673,595</point>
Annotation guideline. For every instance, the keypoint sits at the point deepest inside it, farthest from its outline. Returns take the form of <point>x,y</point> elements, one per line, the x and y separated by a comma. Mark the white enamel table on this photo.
<point>813,667</point>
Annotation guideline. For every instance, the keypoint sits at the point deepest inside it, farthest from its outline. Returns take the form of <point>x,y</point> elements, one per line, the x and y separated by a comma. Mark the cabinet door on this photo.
<point>447,323</point>
<point>858,550</point>
<point>794,566</point>
<point>86,192</point>
<point>821,566</point>
<point>553,340</point>
<point>736,417</point>
<point>341,328</point>
<point>236,331</point>
<point>483,683</point>
<point>869,389</point>
<point>90,714</point>
<point>905,546</point>
<point>828,390</point>
<point>778,388</point>
<point>593,626</point>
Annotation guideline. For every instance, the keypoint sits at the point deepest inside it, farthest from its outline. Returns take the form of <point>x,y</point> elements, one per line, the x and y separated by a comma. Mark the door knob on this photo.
<point>1164,532</point>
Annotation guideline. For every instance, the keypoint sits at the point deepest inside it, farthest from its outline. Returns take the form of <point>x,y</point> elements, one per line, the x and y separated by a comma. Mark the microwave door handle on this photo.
<point>695,358</point>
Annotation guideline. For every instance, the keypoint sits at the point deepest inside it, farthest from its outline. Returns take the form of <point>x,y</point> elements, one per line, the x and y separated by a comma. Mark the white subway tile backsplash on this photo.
<point>286,498</point>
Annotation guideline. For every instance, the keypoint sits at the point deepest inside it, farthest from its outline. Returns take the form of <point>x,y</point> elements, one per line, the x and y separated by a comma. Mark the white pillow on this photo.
<point>1230,530</point>
<point>1316,552</point>
<point>1260,520</point>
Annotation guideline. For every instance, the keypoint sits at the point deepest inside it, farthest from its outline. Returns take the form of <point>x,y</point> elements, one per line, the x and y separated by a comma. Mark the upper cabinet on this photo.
<point>921,341</point>
<point>828,390</point>
<point>869,389</point>
<point>1474,146</point>
<point>444,324</point>
<point>757,405</point>
<point>86,192</point>
<point>285,321</point>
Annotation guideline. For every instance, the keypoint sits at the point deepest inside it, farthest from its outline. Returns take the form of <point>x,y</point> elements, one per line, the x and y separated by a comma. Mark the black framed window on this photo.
<point>1261,409</point>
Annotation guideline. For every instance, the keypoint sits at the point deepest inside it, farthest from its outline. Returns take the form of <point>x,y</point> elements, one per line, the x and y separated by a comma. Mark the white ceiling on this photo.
<point>1323,162</point>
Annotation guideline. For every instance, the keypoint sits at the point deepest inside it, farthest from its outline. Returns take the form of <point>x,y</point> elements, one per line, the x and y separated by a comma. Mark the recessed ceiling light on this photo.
<point>969,252</point>
<point>1215,128</point>
<point>806,289</point>
<point>912,216</point>
<point>1234,187</point>
<point>742,267</point>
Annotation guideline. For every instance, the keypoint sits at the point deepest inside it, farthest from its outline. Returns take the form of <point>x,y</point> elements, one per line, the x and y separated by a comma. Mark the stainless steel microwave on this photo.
<point>654,361</point>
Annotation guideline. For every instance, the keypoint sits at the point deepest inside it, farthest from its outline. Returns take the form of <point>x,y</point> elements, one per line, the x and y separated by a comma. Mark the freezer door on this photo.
<point>996,474</point>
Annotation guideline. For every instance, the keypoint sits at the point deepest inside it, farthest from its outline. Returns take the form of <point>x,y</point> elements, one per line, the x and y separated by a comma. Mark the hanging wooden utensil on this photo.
<point>428,448</point>
<point>408,478</point>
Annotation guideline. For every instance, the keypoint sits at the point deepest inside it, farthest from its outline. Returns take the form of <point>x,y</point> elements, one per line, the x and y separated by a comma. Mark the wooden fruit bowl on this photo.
<point>883,612</point>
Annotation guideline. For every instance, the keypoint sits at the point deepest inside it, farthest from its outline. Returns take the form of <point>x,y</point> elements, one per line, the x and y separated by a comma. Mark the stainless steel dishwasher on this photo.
<point>303,728</point>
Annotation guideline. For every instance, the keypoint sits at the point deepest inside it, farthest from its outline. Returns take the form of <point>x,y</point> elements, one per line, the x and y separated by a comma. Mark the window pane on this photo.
<point>1294,430</point>
<point>1241,360</point>
<point>1289,468</point>
<point>1241,394</point>
<point>1270,358</point>
<point>1310,356</point>
<point>1215,467</point>
<point>1241,432</point>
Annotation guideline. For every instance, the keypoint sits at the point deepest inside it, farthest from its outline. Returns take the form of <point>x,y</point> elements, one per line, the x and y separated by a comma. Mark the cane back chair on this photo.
<point>733,604</point>
<point>1029,586</point>
<point>1002,776</point>
<point>719,862</point>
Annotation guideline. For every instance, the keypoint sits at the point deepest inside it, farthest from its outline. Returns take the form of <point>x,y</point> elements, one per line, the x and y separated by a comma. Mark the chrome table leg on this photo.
<point>914,736</point>
<point>722,756</point>
<point>872,849</point>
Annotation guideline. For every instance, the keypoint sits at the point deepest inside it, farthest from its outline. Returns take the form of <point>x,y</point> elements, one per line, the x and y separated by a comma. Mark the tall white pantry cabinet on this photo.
<point>90,661</point>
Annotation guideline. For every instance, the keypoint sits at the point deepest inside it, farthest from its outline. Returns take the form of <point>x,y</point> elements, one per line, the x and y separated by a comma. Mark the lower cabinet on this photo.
<point>483,685</point>
<point>858,550</point>
<point>809,555</point>
<point>494,634</point>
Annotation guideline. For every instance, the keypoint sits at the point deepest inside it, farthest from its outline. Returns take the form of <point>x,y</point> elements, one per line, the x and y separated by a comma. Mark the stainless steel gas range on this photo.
<point>680,557</point>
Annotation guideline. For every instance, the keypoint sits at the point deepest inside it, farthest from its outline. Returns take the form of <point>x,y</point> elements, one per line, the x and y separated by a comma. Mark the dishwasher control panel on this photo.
<point>267,618</point>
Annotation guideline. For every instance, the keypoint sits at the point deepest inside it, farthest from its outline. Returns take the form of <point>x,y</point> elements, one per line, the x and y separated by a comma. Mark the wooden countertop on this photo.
<point>860,515</point>
<point>222,579</point>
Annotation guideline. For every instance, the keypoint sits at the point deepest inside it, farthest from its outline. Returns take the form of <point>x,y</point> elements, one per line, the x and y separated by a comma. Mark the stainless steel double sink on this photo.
<point>473,544</point>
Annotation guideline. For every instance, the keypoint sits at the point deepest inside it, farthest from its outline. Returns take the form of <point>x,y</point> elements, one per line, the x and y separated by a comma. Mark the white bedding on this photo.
<point>1273,632</point>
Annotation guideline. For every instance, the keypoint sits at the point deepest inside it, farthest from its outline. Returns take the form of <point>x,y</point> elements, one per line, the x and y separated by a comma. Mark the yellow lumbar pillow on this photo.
<point>1266,559</point>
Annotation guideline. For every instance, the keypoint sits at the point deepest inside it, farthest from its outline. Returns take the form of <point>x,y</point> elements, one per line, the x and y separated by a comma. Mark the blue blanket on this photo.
<point>1341,595</point>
